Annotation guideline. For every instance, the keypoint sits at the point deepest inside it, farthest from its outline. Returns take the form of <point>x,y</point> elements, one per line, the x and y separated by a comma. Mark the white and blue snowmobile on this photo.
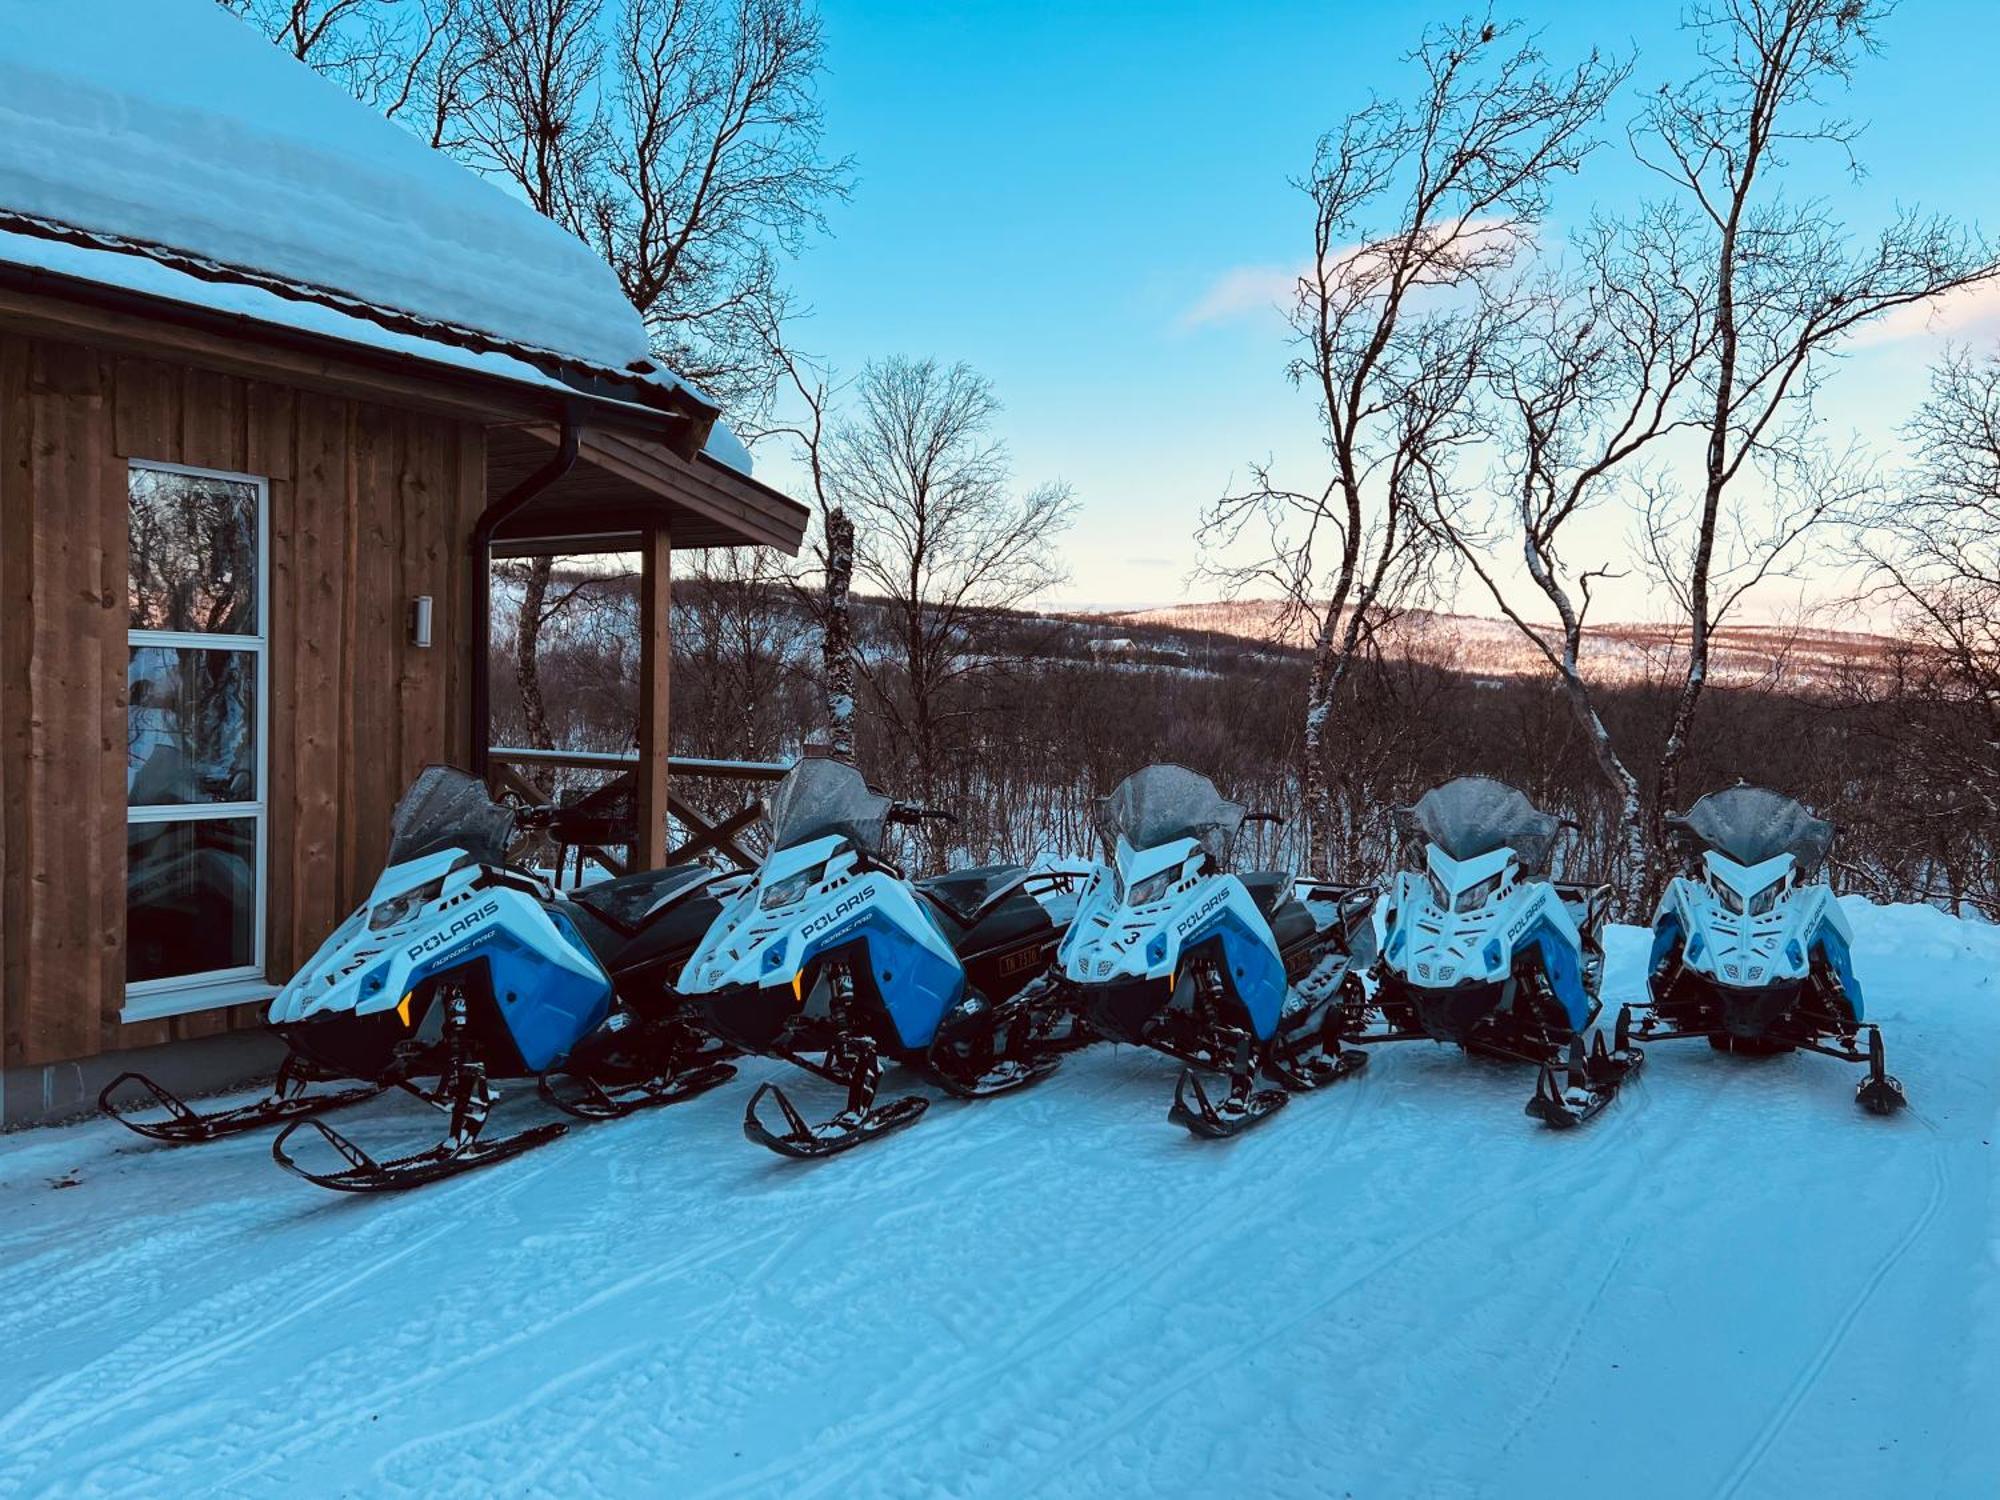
<point>1750,950</point>
<point>461,966</point>
<point>1482,949</point>
<point>1234,973</point>
<point>833,961</point>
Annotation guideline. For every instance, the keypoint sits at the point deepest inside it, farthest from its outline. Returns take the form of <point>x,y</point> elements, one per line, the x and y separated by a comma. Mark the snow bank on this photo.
<point>170,121</point>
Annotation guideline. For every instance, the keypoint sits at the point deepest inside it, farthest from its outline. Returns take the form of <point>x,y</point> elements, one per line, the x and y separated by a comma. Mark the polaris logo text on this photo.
<point>1187,924</point>
<point>827,918</point>
<point>438,939</point>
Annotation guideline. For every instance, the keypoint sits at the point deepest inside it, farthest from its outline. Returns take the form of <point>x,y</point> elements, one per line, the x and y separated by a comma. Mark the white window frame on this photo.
<point>150,999</point>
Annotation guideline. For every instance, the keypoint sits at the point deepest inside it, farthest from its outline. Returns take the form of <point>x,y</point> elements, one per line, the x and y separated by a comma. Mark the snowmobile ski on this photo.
<point>1587,1083</point>
<point>461,1150</point>
<point>846,1130</point>
<point>366,1175</point>
<point>184,1125</point>
<point>1243,1107</point>
<point>1881,1092</point>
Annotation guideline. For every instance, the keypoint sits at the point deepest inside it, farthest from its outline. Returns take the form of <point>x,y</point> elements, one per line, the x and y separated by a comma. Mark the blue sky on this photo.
<point>1054,193</point>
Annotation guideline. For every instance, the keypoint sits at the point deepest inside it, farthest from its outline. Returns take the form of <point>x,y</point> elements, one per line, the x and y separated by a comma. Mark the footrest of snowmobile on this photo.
<point>364,1174</point>
<point>805,1142</point>
<point>1001,1078</point>
<point>186,1126</point>
<point>1317,1071</point>
<point>1202,1117</point>
<point>597,1099</point>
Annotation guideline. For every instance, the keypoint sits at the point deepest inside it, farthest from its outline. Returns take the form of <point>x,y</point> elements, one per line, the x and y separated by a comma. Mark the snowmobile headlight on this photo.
<point>791,888</point>
<point>1726,894</point>
<point>1440,897</point>
<point>386,914</point>
<point>1149,890</point>
<point>1474,897</point>
<point>1764,900</point>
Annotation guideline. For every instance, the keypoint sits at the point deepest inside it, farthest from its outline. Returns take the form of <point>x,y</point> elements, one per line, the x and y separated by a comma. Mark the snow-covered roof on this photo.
<point>172,126</point>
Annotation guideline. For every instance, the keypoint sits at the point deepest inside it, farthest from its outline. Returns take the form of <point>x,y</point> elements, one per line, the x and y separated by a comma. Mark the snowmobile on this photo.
<point>462,966</point>
<point>832,960</point>
<point>1484,950</point>
<point>1750,951</point>
<point>1235,973</point>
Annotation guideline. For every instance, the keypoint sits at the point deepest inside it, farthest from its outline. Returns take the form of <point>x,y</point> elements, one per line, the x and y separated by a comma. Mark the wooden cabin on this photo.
<point>253,461</point>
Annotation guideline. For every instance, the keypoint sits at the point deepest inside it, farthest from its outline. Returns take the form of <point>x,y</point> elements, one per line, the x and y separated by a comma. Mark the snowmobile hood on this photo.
<point>1164,803</point>
<point>1752,825</point>
<point>444,808</point>
<point>1475,815</point>
<point>826,798</point>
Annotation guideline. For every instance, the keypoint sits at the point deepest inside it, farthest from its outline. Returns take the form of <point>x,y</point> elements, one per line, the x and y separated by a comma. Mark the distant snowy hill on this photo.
<point>1744,654</point>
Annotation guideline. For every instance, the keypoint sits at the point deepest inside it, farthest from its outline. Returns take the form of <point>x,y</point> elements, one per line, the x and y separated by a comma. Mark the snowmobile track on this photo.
<point>1815,1367</point>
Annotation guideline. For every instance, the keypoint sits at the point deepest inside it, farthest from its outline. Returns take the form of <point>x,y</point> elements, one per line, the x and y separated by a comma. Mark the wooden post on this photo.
<point>655,661</point>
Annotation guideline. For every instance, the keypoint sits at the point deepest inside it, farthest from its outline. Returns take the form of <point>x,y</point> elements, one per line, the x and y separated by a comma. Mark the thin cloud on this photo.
<point>1254,291</point>
<point>1246,291</point>
<point>1970,313</point>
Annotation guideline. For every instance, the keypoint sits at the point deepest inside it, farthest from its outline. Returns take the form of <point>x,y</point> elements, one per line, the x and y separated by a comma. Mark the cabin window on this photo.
<point>195,730</point>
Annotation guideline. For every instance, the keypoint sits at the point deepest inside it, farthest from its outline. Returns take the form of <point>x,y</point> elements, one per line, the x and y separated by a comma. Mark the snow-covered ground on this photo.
<point>1731,1283</point>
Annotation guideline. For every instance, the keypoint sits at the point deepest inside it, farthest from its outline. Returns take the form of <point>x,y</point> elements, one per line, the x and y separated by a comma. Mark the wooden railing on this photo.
<point>705,836</point>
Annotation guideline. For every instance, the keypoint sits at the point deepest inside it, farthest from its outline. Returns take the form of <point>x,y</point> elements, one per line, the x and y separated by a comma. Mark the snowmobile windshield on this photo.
<point>1751,824</point>
<point>1163,803</point>
<point>1475,815</point>
<point>819,798</point>
<point>447,809</point>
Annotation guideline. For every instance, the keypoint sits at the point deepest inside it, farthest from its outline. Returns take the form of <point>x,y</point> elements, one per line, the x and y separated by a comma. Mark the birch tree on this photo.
<point>1416,206</point>
<point>1789,285</point>
<point>1596,368</point>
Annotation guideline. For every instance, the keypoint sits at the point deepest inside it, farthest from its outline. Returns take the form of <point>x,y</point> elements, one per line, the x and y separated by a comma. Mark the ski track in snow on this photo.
<point>1731,1283</point>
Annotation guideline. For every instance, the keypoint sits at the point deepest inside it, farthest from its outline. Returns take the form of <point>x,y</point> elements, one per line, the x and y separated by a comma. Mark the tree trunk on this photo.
<point>1315,774</point>
<point>837,638</point>
<point>1635,847</point>
<point>527,664</point>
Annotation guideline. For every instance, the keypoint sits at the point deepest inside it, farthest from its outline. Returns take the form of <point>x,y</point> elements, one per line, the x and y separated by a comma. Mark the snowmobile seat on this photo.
<point>1268,888</point>
<point>966,893</point>
<point>1015,919</point>
<point>625,900</point>
<point>1272,890</point>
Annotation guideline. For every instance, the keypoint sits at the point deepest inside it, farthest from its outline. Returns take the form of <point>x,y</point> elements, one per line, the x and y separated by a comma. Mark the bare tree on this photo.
<point>1936,556</point>
<point>943,538</point>
<point>1417,206</point>
<point>807,405</point>
<point>1789,285</point>
<point>1594,370</point>
<point>390,54</point>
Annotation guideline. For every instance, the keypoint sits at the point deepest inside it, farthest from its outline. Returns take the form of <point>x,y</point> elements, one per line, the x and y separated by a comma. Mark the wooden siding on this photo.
<point>370,506</point>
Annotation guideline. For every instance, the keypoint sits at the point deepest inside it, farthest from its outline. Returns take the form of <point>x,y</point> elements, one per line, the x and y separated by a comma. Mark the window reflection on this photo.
<point>190,897</point>
<point>190,726</point>
<point>193,559</point>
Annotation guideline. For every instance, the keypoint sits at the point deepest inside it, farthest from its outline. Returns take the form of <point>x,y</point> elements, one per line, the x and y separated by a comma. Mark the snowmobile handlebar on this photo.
<point>909,813</point>
<point>1265,817</point>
